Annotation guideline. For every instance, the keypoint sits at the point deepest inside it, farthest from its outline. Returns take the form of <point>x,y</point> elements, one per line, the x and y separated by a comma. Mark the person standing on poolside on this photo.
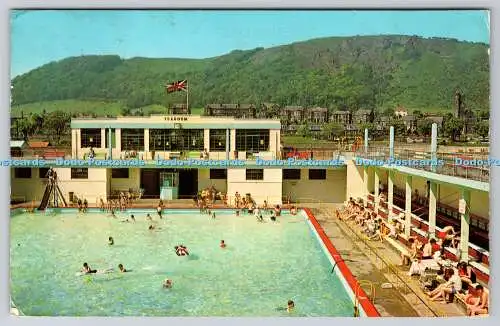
<point>85,205</point>
<point>159,211</point>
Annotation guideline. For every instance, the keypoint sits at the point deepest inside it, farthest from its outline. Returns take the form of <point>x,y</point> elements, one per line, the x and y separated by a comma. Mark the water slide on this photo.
<point>49,190</point>
<point>61,195</point>
<point>46,197</point>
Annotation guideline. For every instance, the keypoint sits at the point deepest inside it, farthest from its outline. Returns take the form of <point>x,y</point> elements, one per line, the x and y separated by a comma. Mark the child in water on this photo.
<point>121,268</point>
<point>87,270</point>
<point>289,307</point>
<point>167,284</point>
<point>222,244</point>
<point>111,241</point>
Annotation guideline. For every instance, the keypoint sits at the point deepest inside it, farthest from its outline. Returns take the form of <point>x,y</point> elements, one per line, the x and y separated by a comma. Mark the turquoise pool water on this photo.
<point>263,266</point>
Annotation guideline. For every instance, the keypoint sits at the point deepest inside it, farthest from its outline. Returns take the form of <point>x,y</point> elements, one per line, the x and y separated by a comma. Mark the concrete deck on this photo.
<point>405,298</point>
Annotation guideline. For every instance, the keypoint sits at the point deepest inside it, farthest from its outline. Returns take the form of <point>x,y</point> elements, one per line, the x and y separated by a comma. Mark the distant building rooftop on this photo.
<point>17,143</point>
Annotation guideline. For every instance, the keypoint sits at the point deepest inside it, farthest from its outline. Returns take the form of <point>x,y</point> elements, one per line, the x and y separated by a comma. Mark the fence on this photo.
<point>453,164</point>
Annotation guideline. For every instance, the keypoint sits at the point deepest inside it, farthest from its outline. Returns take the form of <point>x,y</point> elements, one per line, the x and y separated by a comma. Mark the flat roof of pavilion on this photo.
<point>175,122</point>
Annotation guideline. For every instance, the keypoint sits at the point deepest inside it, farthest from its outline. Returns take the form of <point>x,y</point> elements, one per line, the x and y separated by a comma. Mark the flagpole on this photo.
<point>187,98</point>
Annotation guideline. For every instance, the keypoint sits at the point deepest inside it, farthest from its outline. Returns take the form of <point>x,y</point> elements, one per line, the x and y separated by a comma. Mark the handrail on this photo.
<point>356,295</point>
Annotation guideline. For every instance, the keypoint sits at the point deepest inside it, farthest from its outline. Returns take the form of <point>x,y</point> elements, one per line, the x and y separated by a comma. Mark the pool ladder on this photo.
<point>371,297</point>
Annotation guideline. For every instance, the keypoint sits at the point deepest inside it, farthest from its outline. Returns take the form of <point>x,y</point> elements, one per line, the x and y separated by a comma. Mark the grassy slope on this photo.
<point>372,71</point>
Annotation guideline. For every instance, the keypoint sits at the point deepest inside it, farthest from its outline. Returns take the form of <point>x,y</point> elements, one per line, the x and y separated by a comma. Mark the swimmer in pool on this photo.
<point>289,307</point>
<point>111,241</point>
<point>213,216</point>
<point>167,284</point>
<point>222,244</point>
<point>181,250</point>
<point>132,217</point>
<point>87,270</point>
<point>159,211</point>
<point>121,268</point>
<point>151,227</point>
<point>149,218</point>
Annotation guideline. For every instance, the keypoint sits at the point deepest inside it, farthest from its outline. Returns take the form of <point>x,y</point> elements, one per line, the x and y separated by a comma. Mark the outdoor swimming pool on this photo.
<point>263,266</point>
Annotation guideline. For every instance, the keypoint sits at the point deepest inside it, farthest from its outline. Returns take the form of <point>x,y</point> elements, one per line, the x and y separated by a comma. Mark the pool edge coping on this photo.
<point>368,307</point>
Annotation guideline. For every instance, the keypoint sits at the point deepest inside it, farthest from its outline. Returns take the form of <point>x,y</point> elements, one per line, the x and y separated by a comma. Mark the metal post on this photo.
<point>408,212</point>
<point>432,208</point>
<point>110,145</point>
<point>390,192</point>
<point>464,226</point>
<point>434,147</point>
<point>366,140</point>
<point>227,143</point>
<point>391,142</point>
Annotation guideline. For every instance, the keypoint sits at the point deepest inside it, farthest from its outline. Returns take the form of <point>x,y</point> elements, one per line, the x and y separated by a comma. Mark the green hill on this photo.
<point>353,72</point>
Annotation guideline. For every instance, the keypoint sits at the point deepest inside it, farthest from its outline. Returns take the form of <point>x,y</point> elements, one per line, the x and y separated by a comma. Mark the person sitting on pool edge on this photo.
<point>111,241</point>
<point>121,268</point>
<point>87,270</point>
<point>222,244</point>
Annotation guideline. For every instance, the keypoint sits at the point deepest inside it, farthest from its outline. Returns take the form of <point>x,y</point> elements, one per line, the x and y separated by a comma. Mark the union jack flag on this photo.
<point>180,85</point>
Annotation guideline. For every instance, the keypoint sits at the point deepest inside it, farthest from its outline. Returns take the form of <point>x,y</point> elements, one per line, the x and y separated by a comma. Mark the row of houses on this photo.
<point>293,116</point>
<point>287,114</point>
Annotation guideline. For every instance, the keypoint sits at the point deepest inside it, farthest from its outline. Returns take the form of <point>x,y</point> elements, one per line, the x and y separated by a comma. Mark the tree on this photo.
<point>26,127</point>
<point>453,127</point>
<point>399,127</point>
<point>424,127</point>
<point>389,112</point>
<point>418,114</point>
<point>484,115</point>
<point>482,128</point>
<point>304,131</point>
<point>332,130</point>
<point>371,129</point>
<point>58,123</point>
<point>125,111</point>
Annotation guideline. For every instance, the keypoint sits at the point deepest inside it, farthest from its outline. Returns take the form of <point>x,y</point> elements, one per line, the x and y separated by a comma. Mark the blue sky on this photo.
<point>39,37</point>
